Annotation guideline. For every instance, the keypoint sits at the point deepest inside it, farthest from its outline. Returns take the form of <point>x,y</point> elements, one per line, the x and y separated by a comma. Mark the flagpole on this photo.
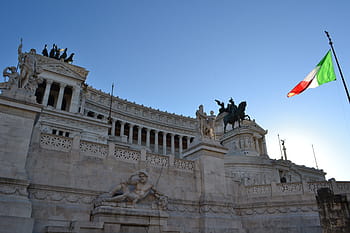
<point>314,155</point>
<point>336,60</point>
<point>110,106</point>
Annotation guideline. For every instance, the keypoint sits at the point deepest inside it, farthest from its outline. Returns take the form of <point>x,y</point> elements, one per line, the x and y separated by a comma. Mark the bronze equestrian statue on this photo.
<point>234,113</point>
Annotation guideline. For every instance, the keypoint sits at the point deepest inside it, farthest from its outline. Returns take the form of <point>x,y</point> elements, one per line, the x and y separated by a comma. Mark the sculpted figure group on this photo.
<point>206,124</point>
<point>28,78</point>
<point>233,113</point>
<point>55,52</point>
<point>135,189</point>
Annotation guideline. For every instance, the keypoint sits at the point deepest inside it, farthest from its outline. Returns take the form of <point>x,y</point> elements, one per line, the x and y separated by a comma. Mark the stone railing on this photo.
<point>54,142</point>
<point>184,164</point>
<point>257,190</point>
<point>284,189</point>
<point>129,155</point>
<point>290,188</point>
<point>103,151</point>
<point>94,149</point>
<point>314,186</point>
<point>157,160</point>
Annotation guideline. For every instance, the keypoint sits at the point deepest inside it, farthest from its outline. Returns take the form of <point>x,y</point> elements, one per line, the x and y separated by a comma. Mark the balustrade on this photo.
<point>98,150</point>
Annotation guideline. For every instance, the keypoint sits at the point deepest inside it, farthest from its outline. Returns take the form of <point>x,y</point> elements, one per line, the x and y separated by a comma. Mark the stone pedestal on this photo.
<point>210,156</point>
<point>16,123</point>
<point>247,140</point>
<point>132,219</point>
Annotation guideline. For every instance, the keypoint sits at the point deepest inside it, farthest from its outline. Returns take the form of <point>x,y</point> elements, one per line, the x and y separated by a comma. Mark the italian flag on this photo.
<point>323,73</point>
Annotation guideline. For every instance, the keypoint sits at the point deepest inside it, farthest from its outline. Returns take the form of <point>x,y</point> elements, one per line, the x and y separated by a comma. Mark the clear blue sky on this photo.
<point>177,54</point>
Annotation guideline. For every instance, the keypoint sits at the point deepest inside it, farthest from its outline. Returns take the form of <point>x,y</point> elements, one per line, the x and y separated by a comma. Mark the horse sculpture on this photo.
<point>237,114</point>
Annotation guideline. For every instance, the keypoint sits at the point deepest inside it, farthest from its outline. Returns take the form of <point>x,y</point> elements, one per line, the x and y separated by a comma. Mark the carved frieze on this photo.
<point>61,195</point>
<point>13,187</point>
<point>276,210</point>
<point>145,114</point>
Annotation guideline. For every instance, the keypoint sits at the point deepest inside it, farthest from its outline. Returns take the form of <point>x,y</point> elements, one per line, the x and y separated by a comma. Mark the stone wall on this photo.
<point>334,211</point>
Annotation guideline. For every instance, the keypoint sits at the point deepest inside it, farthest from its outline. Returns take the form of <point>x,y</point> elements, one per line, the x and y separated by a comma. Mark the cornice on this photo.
<point>133,104</point>
<point>61,67</point>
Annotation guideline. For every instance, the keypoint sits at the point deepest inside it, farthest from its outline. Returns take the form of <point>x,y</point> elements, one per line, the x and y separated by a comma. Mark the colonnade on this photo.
<point>58,95</point>
<point>158,141</point>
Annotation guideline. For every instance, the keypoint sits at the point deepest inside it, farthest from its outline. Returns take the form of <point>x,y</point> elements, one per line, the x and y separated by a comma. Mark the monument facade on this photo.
<point>75,159</point>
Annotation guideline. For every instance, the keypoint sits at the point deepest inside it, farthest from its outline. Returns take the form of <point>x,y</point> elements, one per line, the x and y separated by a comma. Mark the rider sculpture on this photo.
<point>233,113</point>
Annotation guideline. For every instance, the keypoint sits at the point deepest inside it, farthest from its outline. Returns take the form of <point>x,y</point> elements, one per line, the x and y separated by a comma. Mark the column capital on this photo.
<point>62,85</point>
<point>49,81</point>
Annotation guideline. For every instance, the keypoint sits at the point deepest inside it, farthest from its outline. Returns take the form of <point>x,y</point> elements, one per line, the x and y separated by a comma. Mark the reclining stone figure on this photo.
<point>136,188</point>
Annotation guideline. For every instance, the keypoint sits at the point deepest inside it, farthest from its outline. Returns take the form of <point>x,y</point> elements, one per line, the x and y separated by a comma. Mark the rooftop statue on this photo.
<point>64,54</point>
<point>70,58</point>
<point>44,52</point>
<point>55,53</point>
<point>233,113</point>
<point>135,189</point>
<point>52,51</point>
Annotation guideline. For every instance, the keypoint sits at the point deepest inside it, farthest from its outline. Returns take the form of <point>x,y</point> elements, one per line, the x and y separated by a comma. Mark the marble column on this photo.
<point>139,135</point>
<point>180,146</point>
<point>113,127</point>
<point>164,143</point>
<point>156,132</point>
<point>82,103</point>
<point>264,145</point>
<point>172,144</point>
<point>257,146</point>
<point>188,142</point>
<point>148,137</point>
<point>131,133</point>
<point>47,92</point>
<point>122,128</point>
<point>74,102</point>
<point>60,96</point>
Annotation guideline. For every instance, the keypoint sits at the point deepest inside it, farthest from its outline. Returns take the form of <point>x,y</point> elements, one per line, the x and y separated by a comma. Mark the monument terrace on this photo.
<point>76,159</point>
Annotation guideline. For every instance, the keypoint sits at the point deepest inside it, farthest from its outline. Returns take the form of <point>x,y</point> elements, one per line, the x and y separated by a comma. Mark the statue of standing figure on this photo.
<point>28,78</point>
<point>206,124</point>
<point>28,67</point>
